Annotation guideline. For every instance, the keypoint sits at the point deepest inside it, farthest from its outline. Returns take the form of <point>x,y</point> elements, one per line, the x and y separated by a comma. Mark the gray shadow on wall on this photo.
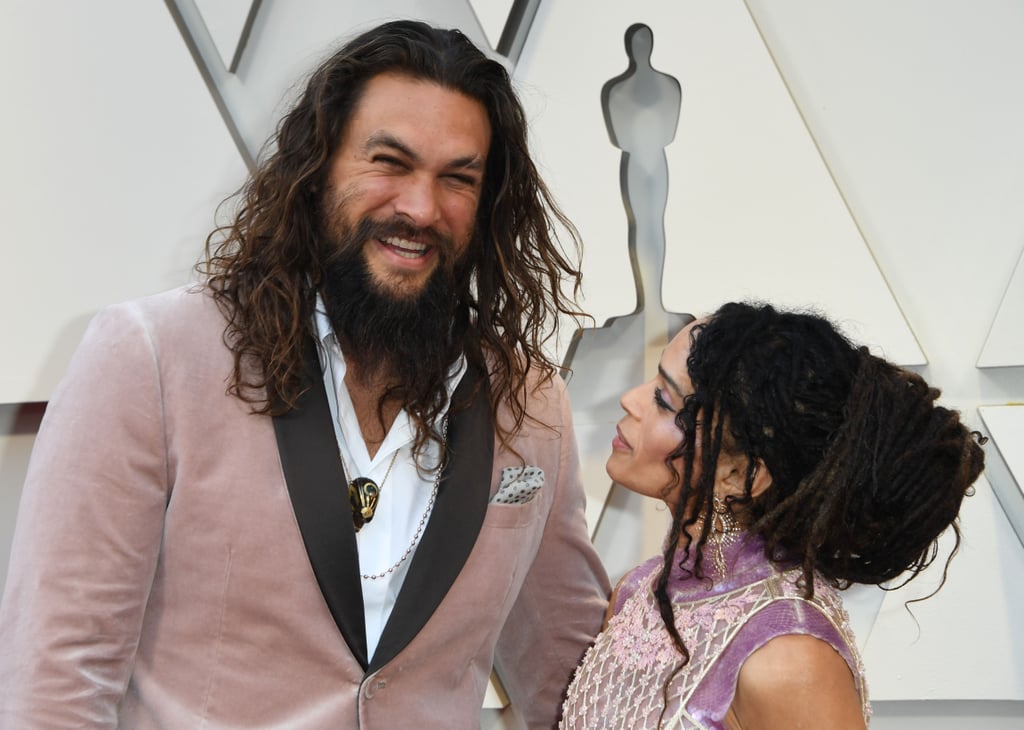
<point>19,423</point>
<point>1009,492</point>
<point>641,113</point>
<point>517,28</point>
<point>641,109</point>
<point>201,46</point>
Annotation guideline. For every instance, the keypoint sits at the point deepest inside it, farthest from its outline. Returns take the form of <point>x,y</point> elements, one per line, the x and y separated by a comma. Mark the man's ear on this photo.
<point>731,474</point>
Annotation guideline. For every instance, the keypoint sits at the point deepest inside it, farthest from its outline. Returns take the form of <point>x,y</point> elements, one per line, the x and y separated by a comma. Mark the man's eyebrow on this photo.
<point>470,162</point>
<point>386,139</point>
<point>672,383</point>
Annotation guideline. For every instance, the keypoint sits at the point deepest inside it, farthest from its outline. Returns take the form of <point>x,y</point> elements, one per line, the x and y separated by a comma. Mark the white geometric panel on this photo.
<point>114,162</point>
<point>117,156</point>
<point>917,107</point>
<point>571,51</point>
<point>1005,343</point>
<point>492,14</point>
<point>966,642</point>
<point>607,361</point>
<point>752,209</point>
<point>641,108</point>
<point>569,57</point>
<point>1005,464</point>
<point>288,39</point>
<point>228,22</point>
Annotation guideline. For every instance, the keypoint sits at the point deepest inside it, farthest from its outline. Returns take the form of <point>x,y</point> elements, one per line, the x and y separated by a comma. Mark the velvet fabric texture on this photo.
<point>159,577</point>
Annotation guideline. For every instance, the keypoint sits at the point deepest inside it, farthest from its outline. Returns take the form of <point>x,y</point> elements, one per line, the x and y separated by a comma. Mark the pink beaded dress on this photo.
<point>621,681</point>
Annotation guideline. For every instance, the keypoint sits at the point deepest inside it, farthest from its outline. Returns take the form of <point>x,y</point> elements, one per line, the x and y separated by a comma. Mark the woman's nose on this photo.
<point>630,399</point>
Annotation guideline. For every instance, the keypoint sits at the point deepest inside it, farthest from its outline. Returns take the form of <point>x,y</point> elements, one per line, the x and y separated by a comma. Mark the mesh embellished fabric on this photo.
<point>622,680</point>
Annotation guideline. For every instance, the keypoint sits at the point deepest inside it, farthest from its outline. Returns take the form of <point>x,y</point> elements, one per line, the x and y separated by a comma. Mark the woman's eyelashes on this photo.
<point>659,400</point>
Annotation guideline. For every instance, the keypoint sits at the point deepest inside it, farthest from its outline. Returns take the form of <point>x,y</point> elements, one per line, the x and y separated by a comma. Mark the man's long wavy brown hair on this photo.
<point>266,266</point>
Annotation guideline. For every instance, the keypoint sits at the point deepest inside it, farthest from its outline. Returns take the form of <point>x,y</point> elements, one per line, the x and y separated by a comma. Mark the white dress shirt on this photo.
<point>404,494</point>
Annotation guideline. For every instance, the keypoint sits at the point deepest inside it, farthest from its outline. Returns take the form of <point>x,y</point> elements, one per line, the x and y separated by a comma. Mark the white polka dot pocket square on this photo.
<point>518,484</point>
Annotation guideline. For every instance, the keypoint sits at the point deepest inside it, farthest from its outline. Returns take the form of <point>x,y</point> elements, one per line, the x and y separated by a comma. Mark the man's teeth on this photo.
<point>405,248</point>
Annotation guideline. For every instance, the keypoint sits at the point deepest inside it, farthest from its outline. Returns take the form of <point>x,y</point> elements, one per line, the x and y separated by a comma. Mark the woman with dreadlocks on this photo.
<point>794,464</point>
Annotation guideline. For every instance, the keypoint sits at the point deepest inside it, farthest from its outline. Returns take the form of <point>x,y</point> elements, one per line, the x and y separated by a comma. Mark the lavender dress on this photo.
<point>620,683</point>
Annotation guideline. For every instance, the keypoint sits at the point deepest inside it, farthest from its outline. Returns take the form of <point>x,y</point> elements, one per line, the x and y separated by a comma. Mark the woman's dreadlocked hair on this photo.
<point>866,469</point>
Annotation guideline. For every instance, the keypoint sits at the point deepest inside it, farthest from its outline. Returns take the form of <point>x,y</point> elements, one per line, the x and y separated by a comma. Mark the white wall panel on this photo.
<point>752,209</point>
<point>752,200</point>
<point>964,643</point>
<point>1005,465</point>
<point>288,39</point>
<point>572,50</point>
<point>887,103</point>
<point>115,157</point>
<point>1004,346</point>
<point>918,106</point>
<point>226,21</point>
<point>114,160</point>
<point>492,15</point>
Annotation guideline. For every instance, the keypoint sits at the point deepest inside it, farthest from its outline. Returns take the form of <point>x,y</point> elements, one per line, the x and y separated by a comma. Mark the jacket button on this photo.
<point>373,687</point>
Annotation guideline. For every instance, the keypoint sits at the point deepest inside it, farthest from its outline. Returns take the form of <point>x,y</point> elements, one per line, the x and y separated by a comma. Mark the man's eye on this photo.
<point>464,180</point>
<point>388,161</point>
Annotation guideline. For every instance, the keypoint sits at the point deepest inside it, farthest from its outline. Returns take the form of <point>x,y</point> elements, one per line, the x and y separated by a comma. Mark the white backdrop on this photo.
<point>867,158</point>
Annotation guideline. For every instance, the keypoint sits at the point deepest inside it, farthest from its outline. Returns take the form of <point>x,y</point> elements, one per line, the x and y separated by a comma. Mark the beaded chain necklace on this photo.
<point>359,519</point>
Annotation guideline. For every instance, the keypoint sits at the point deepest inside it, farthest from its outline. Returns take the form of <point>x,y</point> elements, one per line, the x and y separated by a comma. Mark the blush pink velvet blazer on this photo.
<point>161,578</point>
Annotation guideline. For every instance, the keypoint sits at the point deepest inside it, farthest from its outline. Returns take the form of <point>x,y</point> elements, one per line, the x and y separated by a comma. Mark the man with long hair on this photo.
<point>337,481</point>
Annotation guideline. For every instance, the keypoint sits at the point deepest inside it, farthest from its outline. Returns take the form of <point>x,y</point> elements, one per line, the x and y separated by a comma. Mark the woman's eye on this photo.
<point>660,401</point>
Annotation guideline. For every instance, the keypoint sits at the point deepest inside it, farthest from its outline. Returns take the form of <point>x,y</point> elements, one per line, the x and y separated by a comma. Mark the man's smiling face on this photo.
<point>410,171</point>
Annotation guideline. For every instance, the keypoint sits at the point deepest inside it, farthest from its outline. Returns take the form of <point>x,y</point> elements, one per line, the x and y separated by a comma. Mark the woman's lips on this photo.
<point>620,442</point>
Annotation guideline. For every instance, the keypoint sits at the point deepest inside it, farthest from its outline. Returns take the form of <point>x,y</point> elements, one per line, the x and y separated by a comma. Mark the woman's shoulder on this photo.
<point>803,650</point>
<point>798,675</point>
<point>632,581</point>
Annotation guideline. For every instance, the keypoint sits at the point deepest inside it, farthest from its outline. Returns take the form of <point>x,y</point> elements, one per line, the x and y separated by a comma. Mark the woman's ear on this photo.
<point>762,478</point>
<point>731,476</point>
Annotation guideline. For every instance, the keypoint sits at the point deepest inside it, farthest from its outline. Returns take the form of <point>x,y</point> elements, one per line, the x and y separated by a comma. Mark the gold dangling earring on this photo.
<point>725,530</point>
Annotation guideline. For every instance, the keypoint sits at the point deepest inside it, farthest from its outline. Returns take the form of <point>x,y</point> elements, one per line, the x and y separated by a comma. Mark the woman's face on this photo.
<point>647,434</point>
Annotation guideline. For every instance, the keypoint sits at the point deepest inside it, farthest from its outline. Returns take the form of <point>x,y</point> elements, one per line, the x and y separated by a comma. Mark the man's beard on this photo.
<point>409,339</point>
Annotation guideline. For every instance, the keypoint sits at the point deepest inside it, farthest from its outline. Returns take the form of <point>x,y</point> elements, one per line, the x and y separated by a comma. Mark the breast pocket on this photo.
<point>513,516</point>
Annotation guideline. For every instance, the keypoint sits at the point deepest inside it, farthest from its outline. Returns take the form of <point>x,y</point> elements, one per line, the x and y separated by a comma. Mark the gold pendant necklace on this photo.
<point>423,519</point>
<point>364,493</point>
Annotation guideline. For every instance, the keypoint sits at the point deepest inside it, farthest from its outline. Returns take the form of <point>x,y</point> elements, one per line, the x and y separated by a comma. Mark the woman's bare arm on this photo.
<point>794,682</point>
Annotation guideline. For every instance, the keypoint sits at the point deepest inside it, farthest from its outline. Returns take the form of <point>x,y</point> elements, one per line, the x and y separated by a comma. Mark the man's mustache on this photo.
<point>397,227</point>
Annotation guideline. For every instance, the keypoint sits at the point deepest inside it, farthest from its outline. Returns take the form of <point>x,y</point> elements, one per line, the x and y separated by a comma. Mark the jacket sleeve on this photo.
<point>88,535</point>
<point>562,601</point>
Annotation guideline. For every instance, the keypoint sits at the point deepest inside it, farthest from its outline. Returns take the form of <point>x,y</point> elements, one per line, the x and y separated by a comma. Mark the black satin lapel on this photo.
<point>462,497</point>
<point>313,472</point>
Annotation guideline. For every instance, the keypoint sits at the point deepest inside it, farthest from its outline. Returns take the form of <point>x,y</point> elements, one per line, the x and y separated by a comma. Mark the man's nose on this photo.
<point>418,201</point>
